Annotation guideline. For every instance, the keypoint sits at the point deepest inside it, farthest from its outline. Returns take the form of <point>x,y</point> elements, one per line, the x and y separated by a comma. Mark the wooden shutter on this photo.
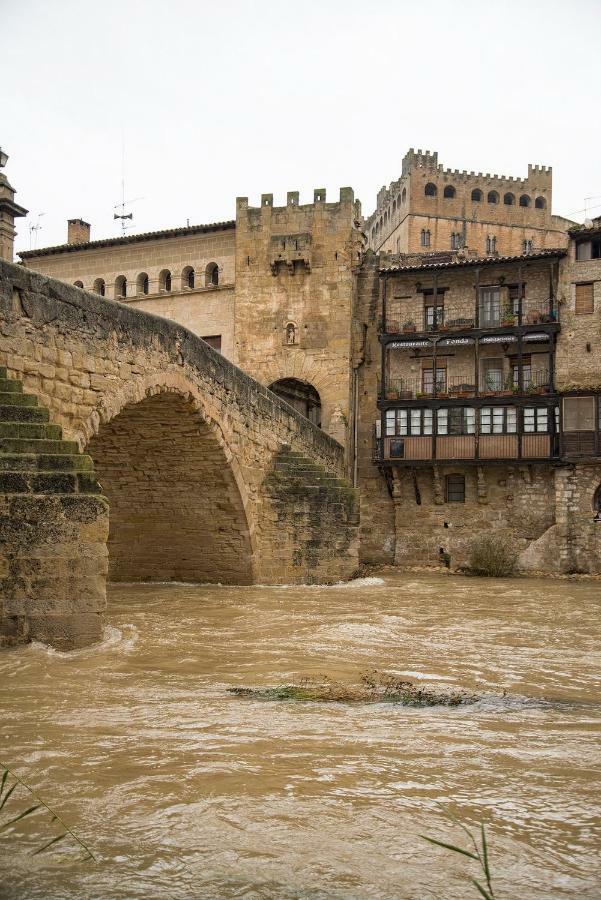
<point>584,299</point>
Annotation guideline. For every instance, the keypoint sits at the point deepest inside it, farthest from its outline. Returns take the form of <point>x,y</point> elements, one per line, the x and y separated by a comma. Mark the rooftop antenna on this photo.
<point>122,215</point>
<point>586,202</point>
<point>33,232</point>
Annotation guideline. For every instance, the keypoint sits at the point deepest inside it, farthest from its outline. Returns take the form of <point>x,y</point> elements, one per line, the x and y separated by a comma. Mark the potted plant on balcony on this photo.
<point>405,394</point>
<point>506,388</point>
<point>533,317</point>
<point>508,317</point>
<point>392,393</point>
<point>408,326</point>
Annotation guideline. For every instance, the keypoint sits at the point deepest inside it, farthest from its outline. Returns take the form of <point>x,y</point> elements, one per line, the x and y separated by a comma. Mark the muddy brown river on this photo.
<point>185,791</point>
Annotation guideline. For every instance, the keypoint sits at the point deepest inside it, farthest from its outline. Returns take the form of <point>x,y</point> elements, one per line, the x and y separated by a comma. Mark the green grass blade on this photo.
<point>4,777</point>
<point>484,893</point>
<point>485,857</point>
<point>54,840</point>
<point>449,847</point>
<point>7,795</point>
<point>22,815</point>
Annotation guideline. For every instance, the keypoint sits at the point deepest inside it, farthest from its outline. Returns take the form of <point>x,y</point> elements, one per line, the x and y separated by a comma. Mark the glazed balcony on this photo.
<point>469,316</point>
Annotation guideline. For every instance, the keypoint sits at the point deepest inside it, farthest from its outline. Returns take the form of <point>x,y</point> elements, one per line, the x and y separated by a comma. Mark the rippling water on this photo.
<point>185,791</point>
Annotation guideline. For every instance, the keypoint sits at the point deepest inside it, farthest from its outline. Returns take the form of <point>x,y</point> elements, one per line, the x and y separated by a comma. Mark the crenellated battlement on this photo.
<point>424,159</point>
<point>347,195</point>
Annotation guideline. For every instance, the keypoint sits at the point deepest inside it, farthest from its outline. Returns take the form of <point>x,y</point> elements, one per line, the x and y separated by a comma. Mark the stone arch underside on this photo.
<point>176,513</point>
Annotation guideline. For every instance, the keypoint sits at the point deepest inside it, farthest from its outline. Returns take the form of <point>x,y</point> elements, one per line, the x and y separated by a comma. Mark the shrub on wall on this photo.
<point>493,557</point>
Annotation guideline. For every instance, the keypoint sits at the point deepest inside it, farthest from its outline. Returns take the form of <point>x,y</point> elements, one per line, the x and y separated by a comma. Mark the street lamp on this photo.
<point>3,158</point>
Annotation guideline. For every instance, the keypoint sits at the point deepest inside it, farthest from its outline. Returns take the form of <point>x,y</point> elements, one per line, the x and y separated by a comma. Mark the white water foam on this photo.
<point>123,638</point>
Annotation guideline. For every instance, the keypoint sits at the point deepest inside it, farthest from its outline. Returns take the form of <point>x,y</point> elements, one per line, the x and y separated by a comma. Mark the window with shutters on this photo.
<point>455,488</point>
<point>584,299</point>
<point>428,379</point>
<point>579,414</point>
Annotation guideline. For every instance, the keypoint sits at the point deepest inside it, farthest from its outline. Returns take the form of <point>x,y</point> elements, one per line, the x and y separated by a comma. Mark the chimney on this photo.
<point>78,231</point>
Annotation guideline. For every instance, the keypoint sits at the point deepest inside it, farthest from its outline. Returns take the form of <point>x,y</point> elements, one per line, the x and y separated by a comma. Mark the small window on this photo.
<point>212,275</point>
<point>291,333</point>
<point>491,245</point>
<point>586,250</point>
<point>493,197</point>
<point>456,240</point>
<point>498,420</point>
<point>214,341</point>
<point>456,420</point>
<point>524,200</point>
<point>78,284</point>
<point>188,277</point>
<point>394,205</point>
<point>121,286</point>
<point>527,245</point>
<point>455,488</point>
<point>404,195</point>
<point>165,281</point>
<point>100,287</point>
<point>400,422</point>
<point>477,195</point>
<point>585,301</point>
<point>509,200</point>
<point>540,203</point>
<point>425,237</point>
<point>449,192</point>
<point>142,283</point>
<point>430,190</point>
<point>536,419</point>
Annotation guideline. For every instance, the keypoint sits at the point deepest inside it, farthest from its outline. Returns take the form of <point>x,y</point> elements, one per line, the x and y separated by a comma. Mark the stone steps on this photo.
<point>34,458</point>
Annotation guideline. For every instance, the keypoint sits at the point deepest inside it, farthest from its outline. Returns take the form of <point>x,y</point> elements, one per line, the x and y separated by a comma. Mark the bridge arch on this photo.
<point>179,507</point>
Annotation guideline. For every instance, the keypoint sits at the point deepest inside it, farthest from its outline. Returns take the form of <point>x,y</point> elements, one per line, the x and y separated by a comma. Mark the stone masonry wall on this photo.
<point>89,360</point>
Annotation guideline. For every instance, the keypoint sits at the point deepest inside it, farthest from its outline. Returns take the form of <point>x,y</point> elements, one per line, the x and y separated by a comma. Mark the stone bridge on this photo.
<point>131,449</point>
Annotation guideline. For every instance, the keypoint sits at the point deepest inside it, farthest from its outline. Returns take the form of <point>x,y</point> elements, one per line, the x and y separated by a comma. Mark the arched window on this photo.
<point>425,237</point>
<point>78,284</point>
<point>430,190</point>
<point>165,281</point>
<point>449,192</point>
<point>386,217</point>
<point>290,333</point>
<point>404,195</point>
<point>373,234</point>
<point>477,195</point>
<point>524,200</point>
<point>142,283</point>
<point>188,277</point>
<point>121,286</point>
<point>381,223</point>
<point>493,197</point>
<point>99,287</point>
<point>509,200</point>
<point>540,203</point>
<point>301,395</point>
<point>212,275</point>
<point>491,245</point>
<point>394,205</point>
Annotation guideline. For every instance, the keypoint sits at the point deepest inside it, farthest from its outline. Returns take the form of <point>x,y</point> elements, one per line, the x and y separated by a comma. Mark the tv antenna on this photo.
<point>33,232</point>
<point>122,215</point>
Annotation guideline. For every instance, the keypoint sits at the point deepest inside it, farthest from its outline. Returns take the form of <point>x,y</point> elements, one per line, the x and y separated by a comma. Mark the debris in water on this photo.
<point>374,687</point>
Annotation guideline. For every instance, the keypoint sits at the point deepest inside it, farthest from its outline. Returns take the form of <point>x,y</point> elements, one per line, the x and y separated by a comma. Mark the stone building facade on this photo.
<point>462,291</point>
<point>430,208</point>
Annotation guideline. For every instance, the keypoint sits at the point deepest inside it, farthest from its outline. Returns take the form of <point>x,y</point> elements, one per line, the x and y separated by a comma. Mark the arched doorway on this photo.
<point>176,513</point>
<point>301,395</point>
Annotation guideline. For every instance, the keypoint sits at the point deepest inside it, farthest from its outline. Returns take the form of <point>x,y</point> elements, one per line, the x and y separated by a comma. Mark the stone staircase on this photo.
<point>53,529</point>
<point>34,457</point>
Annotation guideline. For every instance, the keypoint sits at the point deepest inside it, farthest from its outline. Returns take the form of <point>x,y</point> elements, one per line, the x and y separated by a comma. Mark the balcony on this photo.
<point>480,448</point>
<point>464,386</point>
<point>469,316</point>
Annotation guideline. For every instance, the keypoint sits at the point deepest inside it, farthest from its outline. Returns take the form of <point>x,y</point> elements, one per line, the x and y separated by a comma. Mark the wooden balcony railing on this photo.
<point>448,448</point>
<point>463,386</point>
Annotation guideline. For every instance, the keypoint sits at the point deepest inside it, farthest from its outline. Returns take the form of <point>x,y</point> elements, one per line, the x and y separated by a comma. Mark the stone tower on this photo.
<point>9,211</point>
<point>295,287</point>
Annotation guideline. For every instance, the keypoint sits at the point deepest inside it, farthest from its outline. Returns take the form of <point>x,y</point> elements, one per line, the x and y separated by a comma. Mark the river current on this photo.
<point>185,791</point>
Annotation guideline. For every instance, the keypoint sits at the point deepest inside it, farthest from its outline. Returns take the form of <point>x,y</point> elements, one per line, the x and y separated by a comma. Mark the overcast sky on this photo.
<point>215,100</point>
